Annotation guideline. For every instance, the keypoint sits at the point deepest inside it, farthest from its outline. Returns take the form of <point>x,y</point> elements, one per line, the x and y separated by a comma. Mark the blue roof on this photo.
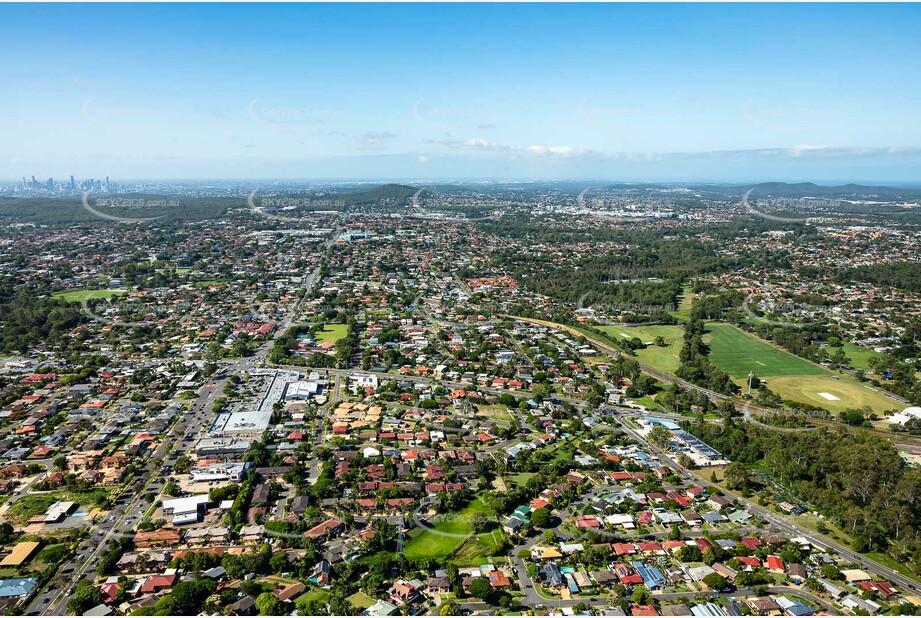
<point>571,584</point>
<point>652,576</point>
<point>665,423</point>
<point>16,587</point>
<point>800,609</point>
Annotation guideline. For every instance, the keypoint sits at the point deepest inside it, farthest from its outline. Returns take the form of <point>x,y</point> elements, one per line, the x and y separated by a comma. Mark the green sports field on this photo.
<point>832,392</point>
<point>77,296</point>
<point>663,359</point>
<point>738,353</point>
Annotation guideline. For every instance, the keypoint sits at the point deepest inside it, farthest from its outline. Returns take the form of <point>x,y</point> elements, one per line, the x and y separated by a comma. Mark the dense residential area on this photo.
<point>537,399</point>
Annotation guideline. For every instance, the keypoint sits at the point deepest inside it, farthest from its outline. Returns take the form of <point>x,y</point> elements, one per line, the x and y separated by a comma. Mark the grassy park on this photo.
<point>78,296</point>
<point>738,353</point>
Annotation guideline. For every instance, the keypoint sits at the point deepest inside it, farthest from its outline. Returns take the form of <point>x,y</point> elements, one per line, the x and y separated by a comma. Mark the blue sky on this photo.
<point>621,92</point>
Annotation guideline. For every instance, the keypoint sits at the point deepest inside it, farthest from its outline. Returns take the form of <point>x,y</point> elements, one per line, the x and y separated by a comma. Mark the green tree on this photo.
<point>660,436</point>
<point>279,562</point>
<point>190,595</point>
<point>715,581</point>
<point>479,522</point>
<point>213,604</point>
<point>268,605</point>
<point>540,517</point>
<point>641,595</point>
<point>737,475</point>
<point>480,588</point>
<point>182,465</point>
<point>84,597</point>
<point>690,554</point>
<point>172,489</point>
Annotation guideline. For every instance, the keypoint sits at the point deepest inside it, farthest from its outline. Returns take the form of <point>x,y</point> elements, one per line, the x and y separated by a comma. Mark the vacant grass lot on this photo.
<point>360,600</point>
<point>332,333</point>
<point>479,549</point>
<point>431,545</point>
<point>78,296</point>
<point>27,507</point>
<point>738,353</point>
<point>497,411</point>
<point>521,479</point>
<point>36,504</point>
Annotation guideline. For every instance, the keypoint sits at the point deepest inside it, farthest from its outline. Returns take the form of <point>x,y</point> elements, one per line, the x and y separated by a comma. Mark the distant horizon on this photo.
<point>470,181</point>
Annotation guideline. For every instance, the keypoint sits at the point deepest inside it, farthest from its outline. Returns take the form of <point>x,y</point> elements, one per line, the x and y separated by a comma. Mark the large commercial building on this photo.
<point>251,420</point>
<point>186,510</point>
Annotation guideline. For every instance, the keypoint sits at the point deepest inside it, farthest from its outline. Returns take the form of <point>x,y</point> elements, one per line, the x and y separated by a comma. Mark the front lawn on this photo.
<point>360,600</point>
<point>317,594</point>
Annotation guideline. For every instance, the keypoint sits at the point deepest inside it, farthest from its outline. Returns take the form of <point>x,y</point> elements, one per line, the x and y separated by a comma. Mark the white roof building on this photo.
<point>302,389</point>
<point>58,511</point>
<point>185,510</point>
<point>900,418</point>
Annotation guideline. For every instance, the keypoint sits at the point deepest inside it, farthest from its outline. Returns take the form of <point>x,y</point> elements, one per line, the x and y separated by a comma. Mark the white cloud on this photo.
<point>797,151</point>
<point>564,151</point>
<point>374,140</point>
<point>478,143</point>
